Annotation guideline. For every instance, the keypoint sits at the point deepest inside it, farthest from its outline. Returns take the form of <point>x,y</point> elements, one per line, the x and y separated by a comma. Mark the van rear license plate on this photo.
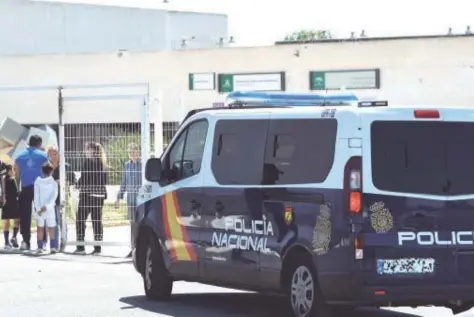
<point>406,266</point>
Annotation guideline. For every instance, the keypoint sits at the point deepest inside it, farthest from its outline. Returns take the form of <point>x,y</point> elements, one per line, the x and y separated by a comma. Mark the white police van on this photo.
<point>322,198</point>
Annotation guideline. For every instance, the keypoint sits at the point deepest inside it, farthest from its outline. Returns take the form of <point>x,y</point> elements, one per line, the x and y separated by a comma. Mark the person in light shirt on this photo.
<point>130,184</point>
<point>45,194</point>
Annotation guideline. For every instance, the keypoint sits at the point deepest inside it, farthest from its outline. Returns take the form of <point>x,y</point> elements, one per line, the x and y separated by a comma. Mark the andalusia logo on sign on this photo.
<point>318,81</point>
<point>227,84</point>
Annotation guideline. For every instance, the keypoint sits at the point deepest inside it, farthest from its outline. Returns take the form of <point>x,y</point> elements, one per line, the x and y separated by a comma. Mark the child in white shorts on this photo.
<point>46,192</point>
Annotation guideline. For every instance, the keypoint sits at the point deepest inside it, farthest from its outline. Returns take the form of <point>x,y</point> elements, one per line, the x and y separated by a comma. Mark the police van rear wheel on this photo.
<point>156,279</point>
<point>305,298</point>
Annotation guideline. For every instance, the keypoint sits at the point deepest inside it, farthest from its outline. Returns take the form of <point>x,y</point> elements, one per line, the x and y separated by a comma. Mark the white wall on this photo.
<point>32,28</point>
<point>430,71</point>
<point>205,28</point>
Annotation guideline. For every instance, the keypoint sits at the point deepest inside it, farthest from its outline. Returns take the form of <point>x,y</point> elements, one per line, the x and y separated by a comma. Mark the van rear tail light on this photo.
<point>355,202</point>
<point>427,114</point>
<point>352,192</point>
<point>359,248</point>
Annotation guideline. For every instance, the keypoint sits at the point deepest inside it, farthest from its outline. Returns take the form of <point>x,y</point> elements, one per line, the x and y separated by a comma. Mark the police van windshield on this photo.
<point>434,158</point>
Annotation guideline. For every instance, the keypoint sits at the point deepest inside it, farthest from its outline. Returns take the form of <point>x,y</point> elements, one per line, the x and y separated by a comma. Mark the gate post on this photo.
<point>62,172</point>
<point>145,132</point>
<point>158,121</point>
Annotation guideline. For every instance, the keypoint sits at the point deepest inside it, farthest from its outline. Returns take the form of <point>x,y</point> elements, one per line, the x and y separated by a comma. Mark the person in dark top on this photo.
<point>3,171</point>
<point>92,194</point>
<point>10,210</point>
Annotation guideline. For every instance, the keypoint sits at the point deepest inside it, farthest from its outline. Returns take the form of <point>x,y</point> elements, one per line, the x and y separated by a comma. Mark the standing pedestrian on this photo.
<point>45,194</point>
<point>10,208</point>
<point>54,160</point>
<point>131,183</point>
<point>3,172</point>
<point>27,169</point>
<point>92,194</point>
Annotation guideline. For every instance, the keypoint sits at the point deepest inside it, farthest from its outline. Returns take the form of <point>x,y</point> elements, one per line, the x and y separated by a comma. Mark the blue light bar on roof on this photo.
<point>290,99</point>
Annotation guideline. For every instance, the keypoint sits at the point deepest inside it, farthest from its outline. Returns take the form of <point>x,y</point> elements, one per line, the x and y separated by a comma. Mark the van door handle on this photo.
<point>195,204</point>
<point>195,209</point>
<point>219,206</point>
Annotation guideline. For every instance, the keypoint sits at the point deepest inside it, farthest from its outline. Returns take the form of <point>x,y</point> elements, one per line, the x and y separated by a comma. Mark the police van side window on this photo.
<point>238,151</point>
<point>299,151</point>
<point>185,157</point>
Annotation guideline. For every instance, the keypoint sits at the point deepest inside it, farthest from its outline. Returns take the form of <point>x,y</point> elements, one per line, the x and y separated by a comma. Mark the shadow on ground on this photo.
<point>234,304</point>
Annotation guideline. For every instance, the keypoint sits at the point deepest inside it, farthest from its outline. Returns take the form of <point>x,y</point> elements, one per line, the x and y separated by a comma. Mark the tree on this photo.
<point>308,35</point>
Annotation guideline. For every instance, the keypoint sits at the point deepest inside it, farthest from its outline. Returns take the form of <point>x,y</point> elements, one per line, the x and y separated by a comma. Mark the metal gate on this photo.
<point>102,130</point>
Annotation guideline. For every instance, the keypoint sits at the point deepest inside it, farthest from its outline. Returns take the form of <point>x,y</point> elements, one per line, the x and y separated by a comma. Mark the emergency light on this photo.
<point>240,98</point>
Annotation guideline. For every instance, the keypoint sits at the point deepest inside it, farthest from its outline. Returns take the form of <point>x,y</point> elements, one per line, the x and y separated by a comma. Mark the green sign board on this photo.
<point>251,82</point>
<point>202,81</point>
<point>318,80</point>
<point>226,82</point>
<point>344,79</point>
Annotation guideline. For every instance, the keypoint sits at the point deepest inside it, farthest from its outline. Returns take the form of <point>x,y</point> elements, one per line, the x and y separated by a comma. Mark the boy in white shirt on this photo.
<point>45,194</point>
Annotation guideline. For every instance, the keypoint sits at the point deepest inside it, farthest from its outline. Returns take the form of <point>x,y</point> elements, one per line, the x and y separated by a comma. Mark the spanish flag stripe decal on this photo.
<point>167,228</point>
<point>180,247</point>
<point>189,249</point>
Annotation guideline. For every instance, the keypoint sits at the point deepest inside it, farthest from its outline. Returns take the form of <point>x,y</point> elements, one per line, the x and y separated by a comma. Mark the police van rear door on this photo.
<point>418,196</point>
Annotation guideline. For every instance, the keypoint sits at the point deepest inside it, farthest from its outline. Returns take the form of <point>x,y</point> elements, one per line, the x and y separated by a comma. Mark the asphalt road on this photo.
<point>107,286</point>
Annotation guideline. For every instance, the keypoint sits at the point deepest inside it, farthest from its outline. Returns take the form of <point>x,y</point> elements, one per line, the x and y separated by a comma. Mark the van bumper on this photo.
<point>346,288</point>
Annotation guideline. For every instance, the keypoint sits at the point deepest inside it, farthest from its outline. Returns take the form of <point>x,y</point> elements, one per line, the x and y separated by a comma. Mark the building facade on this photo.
<point>432,71</point>
<point>40,27</point>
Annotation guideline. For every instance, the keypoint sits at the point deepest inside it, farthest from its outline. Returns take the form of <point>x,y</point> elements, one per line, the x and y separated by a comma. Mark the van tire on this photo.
<point>302,272</point>
<point>157,281</point>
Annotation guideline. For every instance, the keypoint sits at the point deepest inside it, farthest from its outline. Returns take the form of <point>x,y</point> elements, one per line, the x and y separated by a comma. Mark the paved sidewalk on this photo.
<point>116,240</point>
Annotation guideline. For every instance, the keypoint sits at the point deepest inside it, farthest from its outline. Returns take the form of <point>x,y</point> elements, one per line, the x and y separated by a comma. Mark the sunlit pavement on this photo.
<point>107,286</point>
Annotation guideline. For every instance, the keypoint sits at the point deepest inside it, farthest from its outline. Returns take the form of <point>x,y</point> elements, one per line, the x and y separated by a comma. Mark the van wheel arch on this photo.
<point>291,255</point>
<point>145,232</point>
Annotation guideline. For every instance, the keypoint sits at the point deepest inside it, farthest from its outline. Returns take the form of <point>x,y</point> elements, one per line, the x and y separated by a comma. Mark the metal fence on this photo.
<point>114,116</point>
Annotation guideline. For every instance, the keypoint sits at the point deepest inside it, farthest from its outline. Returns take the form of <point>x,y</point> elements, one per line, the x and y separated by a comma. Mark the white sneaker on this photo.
<point>24,246</point>
<point>8,247</point>
<point>39,251</point>
<point>54,250</point>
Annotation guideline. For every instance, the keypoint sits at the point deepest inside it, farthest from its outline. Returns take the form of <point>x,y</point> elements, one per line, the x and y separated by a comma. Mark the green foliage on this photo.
<point>308,35</point>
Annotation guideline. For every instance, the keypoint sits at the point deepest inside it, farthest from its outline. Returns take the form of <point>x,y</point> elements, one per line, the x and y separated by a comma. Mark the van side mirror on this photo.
<point>153,170</point>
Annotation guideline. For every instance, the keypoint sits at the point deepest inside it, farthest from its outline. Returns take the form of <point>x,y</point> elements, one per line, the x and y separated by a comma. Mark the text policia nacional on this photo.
<point>244,235</point>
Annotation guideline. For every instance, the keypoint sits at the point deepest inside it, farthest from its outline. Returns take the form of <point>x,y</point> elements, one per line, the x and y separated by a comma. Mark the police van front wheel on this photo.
<point>156,279</point>
<point>304,296</point>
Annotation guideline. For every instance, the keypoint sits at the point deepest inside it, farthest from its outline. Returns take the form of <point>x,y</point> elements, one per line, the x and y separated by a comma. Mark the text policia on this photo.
<point>244,235</point>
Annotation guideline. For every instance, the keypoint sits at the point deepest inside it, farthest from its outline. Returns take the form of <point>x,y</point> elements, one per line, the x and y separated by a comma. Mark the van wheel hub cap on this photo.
<point>302,291</point>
